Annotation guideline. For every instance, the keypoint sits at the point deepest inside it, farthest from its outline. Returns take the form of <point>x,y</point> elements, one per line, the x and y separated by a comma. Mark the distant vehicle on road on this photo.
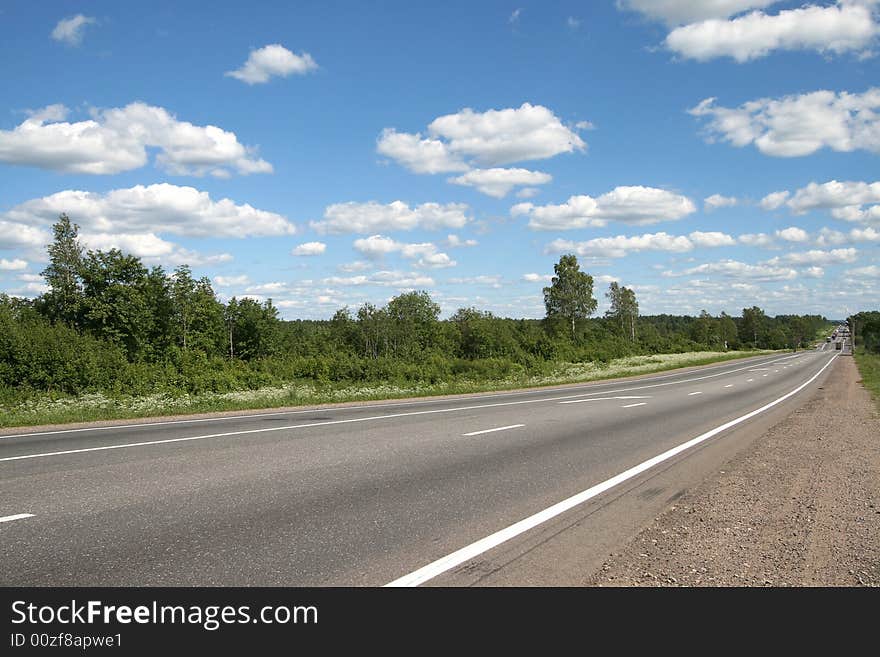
<point>838,345</point>
<point>827,339</point>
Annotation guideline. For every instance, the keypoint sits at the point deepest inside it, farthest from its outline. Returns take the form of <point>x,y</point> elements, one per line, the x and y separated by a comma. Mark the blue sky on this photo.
<point>331,153</point>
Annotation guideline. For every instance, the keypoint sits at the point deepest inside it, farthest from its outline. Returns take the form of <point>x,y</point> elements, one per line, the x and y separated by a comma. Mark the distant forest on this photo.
<point>108,323</point>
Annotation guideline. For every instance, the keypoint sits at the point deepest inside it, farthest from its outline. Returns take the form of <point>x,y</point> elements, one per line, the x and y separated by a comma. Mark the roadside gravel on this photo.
<point>799,507</point>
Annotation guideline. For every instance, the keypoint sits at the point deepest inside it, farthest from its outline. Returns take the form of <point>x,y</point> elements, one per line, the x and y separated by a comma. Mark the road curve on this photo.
<point>371,494</point>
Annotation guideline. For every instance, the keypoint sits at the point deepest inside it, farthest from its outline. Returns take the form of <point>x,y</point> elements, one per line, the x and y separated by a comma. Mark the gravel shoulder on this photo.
<point>799,507</point>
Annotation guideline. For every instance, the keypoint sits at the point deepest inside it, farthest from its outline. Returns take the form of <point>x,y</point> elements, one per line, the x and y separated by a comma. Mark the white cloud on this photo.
<point>498,182</point>
<point>426,253</point>
<point>872,272</point>
<point>493,281</point>
<point>309,249</point>
<point>371,217</point>
<point>711,239</point>
<point>774,200</point>
<point>678,12</point>
<point>621,245</point>
<point>813,272</point>
<point>16,235</point>
<point>798,125</point>
<point>514,16</point>
<point>357,265</point>
<point>150,248</point>
<point>419,155</point>
<point>397,279</point>
<point>847,200</point>
<point>631,205</point>
<point>272,60</point>
<point>70,30</point>
<point>466,139</point>
<point>161,208</point>
<point>736,269</point>
<point>829,237</point>
<point>793,234</point>
<point>528,192</point>
<point>264,289</point>
<point>846,27</point>
<point>718,201</point>
<point>755,239</point>
<point>12,265</point>
<point>231,281</point>
<point>537,278</point>
<point>573,23</point>
<point>816,257</point>
<point>116,140</point>
<point>454,241</point>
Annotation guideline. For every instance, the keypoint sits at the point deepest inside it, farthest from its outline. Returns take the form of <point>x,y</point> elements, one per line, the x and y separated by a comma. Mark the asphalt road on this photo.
<point>366,495</point>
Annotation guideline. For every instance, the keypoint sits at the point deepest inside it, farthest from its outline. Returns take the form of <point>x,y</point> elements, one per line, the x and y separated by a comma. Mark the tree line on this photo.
<point>109,323</point>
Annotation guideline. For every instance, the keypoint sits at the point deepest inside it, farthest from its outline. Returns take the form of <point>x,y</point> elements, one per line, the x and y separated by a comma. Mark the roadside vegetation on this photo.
<point>112,338</point>
<point>867,352</point>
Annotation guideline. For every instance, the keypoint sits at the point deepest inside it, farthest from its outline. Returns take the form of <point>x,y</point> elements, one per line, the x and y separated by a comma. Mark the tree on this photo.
<point>63,301</point>
<point>753,324</point>
<point>115,301</point>
<point>624,308</point>
<point>413,318</point>
<point>705,329</point>
<point>570,294</point>
<point>727,330</point>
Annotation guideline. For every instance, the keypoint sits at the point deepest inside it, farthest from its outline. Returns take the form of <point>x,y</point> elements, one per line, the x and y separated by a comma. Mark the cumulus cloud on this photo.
<point>829,237</point>
<point>13,265</point>
<point>17,235</point>
<point>498,182</point>
<point>309,249</point>
<point>373,217</point>
<point>847,200</point>
<point>426,253</point>
<point>454,242</point>
<point>493,281</point>
<point>357,265</point>
<point>678,12</point>
<point>793,234</point>
<point>816,257</point>
<point>537,278</point>
<point>231,281</point>
<point>468,139</point>
<point>737,269</point>
<point>798,125</point>
<point>630,205</point>
<point>396,279</point>
<point>718,201</point>
<point>70,30</point>
<point>845,27</point>
<point>161,208</point>
<point>755,239</point>
<point>151,248</point>
<point>272,60</point>
<point>871,271</point>
<point>116,140</point>
<point>419,155</point>
<point>774,200</point>
<point>622,245</point>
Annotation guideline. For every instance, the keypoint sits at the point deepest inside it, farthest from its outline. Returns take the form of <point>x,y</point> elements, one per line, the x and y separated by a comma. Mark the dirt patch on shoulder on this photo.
<point>800,507</point>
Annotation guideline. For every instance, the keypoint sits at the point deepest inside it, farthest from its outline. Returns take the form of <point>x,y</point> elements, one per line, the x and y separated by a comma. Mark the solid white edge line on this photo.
<point>477,433</point>
<point>467,553</point>
<point>729,385</point>
<point>18,516</point>
<point>691,394</point>
<point>578,401</point>
<point>576,386</point>
<point>633,405</point>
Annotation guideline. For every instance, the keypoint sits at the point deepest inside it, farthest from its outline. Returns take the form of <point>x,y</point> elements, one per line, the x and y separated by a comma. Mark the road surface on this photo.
<point>528,488</point>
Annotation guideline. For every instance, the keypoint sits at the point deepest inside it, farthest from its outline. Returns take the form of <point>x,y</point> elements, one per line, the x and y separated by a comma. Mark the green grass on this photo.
<point>55,409</point>
<point>869,368</point>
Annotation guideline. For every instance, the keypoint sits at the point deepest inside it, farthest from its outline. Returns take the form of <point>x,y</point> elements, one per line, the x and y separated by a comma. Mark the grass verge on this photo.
<point>46,409</point>
<point>869,368</point>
